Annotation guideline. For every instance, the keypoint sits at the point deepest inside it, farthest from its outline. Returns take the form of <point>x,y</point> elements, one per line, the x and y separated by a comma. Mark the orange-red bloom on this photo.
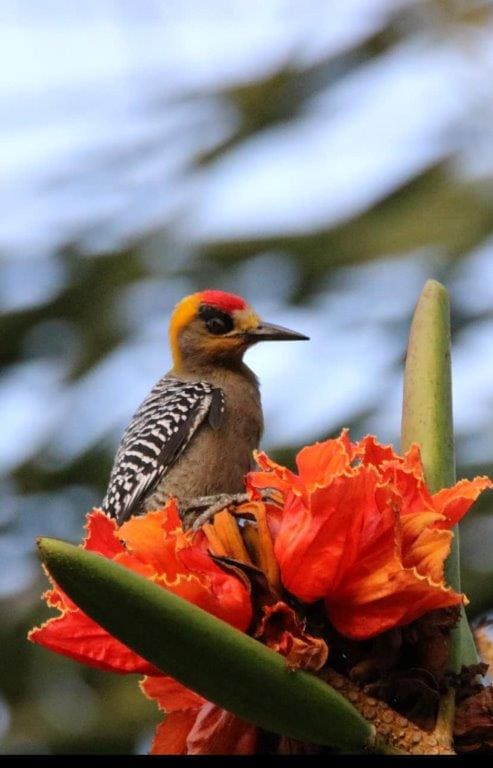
<point>281,629</point>
<point>360,530</point>
<point>355,527</point>
<point>276,624</point>
<point>155,546</point>
<point>194,726</point>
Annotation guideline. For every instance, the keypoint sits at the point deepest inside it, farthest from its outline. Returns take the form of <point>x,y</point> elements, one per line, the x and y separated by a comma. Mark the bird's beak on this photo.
<point>270,332</point>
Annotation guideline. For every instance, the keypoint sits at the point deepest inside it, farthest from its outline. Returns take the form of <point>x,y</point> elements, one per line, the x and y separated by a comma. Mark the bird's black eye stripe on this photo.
<point>216,321</point>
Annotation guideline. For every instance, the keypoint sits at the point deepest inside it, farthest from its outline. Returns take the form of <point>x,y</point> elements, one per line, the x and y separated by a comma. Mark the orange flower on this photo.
<point>355,527</point>
<point>282,630</point>
<point>155,546</point>
<point>360,530</point>
<point>250,551</point>
<point>194,726</point>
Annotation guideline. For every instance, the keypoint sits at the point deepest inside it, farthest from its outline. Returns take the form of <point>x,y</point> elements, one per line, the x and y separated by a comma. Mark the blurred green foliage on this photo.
<point>54,704</point>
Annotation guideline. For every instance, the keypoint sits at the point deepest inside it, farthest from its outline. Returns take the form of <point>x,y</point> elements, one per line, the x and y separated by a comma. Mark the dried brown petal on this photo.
<point>468,681</point>
<point>428,638</point>
<point>473,726</point>
<point>282,630</point>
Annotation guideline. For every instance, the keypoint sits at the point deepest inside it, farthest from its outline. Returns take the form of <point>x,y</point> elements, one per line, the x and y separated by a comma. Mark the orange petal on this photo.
<point>209,587</point>
<point>101,537</point>
<point>265,547</point>
<point>368,538</point>
<point>272,475</point>
<point>256,482</point>
<point>274,518</point>
<point>368,574</point>
<point>171,736</point>
<point>268,465</point>
<point>319,463</point>
<point>133,563</point>
<point>407,597</point>
<point>54,599</point>
<point>414,524</point>
<point>428,553</point>
<point>194,726</point>
<point>412,461</point>
<point>424,545</point>
<point>146,537</point>
<point>159,550</point>
<point>155,551</point>
<point>226,528</point>
<point>372,452</point>
<point>217,732</point>
<point>281,629</point>
<point>169,694</point>
<point>453,503</point>
<point>315,545</point>
<point>75,635</point>
<point>409,485</point>
<point>216,545</point>
<point>102,534</point>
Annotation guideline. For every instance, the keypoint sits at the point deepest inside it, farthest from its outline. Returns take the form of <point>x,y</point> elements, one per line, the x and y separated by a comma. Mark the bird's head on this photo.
<point>213,327</point>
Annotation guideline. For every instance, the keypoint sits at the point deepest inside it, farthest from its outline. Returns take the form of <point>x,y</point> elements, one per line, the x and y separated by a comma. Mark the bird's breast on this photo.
<point>216,460</point>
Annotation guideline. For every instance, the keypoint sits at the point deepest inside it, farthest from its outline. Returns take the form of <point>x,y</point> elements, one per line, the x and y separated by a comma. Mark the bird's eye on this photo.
<point>216,321</point>
<point>216,325</point>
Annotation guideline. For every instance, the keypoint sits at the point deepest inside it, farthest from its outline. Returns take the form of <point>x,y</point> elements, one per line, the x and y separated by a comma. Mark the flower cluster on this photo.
<point>355,530</point>
<point>359,529</point>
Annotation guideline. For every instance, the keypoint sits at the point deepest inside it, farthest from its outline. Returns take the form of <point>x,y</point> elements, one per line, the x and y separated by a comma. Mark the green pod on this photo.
<point>206,654</point>
<point>427,420</point>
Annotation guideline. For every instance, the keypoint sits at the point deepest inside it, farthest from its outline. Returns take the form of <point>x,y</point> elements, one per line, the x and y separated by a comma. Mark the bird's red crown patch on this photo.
<point>228,302</point>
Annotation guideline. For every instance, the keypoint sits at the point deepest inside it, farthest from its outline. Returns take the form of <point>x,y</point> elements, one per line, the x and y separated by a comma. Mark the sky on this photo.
<point>103,110</point>
<point>70,121</point>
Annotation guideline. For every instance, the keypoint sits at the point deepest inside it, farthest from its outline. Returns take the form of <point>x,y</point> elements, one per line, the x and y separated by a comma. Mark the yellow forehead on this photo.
<point>245,319</point>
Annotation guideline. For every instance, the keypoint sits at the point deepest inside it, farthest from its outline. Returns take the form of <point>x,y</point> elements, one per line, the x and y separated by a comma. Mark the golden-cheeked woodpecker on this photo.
<point>194,435</point>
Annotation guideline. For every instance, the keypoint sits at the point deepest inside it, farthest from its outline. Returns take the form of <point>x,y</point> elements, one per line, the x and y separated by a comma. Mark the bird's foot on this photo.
<point>196,512</point>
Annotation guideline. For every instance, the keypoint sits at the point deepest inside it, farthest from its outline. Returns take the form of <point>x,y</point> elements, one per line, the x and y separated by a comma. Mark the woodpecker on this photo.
<point>194,434</point>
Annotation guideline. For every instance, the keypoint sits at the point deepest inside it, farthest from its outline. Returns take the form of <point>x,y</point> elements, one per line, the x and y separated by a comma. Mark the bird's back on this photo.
<point>192,436</point>
<point>216,460</point>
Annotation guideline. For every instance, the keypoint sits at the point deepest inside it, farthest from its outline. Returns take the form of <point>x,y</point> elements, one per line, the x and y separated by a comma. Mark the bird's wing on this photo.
<point>158,433</point>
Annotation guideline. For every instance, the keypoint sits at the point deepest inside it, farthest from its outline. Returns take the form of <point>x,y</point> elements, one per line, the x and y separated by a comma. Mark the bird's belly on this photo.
<point>214,462</point>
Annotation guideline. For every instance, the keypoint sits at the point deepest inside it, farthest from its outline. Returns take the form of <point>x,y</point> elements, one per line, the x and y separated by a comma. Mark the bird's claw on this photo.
<point>207,507</point>
<point>197,512</point>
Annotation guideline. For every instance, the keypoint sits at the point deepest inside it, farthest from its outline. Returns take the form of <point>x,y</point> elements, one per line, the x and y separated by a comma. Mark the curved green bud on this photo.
<point>206,654</point>
<point>427,403</point>
<point>427,420</point>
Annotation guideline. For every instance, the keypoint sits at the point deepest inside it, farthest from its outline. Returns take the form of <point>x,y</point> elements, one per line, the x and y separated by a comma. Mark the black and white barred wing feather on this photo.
<point>158,433</point>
